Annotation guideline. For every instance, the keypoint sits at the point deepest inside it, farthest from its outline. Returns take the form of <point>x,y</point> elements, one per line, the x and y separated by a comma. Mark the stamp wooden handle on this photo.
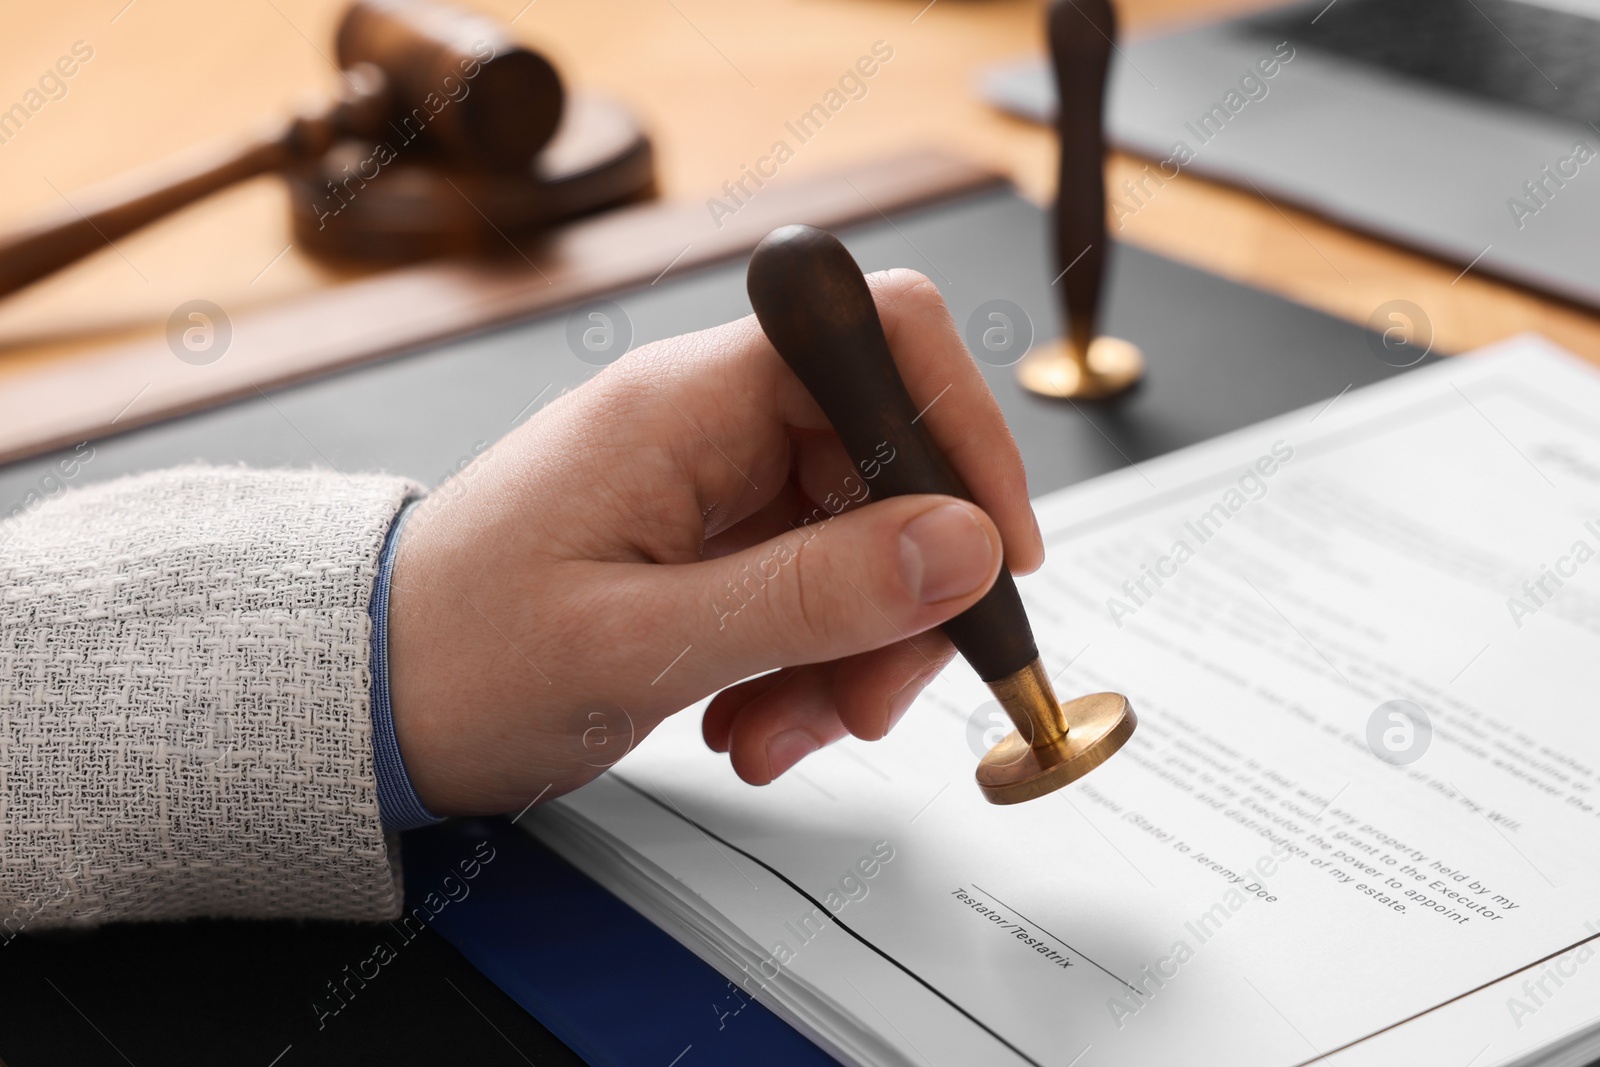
<point>1081,33</point>
<point>815,307</point>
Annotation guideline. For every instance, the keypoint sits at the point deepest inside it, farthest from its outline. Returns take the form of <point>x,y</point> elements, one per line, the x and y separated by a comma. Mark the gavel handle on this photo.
<point>815,308</point>
<point>98,217</point>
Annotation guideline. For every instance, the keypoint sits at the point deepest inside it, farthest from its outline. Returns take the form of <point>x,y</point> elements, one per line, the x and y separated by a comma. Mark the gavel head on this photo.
<point>458,83</point>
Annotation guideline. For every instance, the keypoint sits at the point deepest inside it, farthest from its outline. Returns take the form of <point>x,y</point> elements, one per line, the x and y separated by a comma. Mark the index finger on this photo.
<point>960,412</point>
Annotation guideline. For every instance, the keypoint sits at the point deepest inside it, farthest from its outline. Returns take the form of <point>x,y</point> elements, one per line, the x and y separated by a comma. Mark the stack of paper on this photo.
<point>1359,815</point>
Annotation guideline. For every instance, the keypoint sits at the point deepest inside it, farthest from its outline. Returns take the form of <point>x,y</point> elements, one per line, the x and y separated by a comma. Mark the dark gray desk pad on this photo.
<point>1222,356</point>
<point>1377,147</point>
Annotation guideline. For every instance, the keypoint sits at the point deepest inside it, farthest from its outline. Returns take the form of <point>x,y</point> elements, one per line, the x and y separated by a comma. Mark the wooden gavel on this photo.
<point>451,82</point>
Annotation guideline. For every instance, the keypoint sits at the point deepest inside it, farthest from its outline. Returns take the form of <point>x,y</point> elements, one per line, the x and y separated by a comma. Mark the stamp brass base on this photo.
<point>1097,725</point>
<point>1057,370</point>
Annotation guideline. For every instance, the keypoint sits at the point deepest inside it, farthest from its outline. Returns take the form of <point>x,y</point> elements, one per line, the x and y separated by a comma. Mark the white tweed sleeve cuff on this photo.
<point>185,726</point>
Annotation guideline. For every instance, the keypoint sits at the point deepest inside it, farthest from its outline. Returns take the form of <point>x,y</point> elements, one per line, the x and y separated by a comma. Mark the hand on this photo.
<point>685,520</point>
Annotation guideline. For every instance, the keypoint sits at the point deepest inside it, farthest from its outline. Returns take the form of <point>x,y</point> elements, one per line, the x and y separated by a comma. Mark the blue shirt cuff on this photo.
<point>398,804</point>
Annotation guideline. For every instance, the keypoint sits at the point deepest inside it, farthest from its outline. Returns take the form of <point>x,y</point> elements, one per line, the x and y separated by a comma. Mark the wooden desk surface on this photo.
<point>715,81</point>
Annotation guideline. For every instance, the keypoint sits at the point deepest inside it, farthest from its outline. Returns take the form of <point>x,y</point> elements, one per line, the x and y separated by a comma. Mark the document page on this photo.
<point>1360,813</point>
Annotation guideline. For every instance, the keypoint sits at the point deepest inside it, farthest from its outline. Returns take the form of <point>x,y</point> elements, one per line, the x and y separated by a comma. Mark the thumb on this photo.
<point>858,581</point>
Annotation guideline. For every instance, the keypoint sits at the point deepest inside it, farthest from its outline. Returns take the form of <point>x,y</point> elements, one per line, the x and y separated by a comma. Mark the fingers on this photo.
<point>776,729</point>
<point>872,691</point>
<point>779,515</point>
<point>716,726</point>
<point>825,473</point>
<point>958,408</point>
<point>732,405</point>
<point>823,483</point>
<point>702,422</point>
<point>866,579</point>
<point>757,720</point>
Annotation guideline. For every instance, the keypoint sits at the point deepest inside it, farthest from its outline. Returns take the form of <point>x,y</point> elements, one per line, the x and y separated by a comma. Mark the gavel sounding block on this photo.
<point>378,202</point>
